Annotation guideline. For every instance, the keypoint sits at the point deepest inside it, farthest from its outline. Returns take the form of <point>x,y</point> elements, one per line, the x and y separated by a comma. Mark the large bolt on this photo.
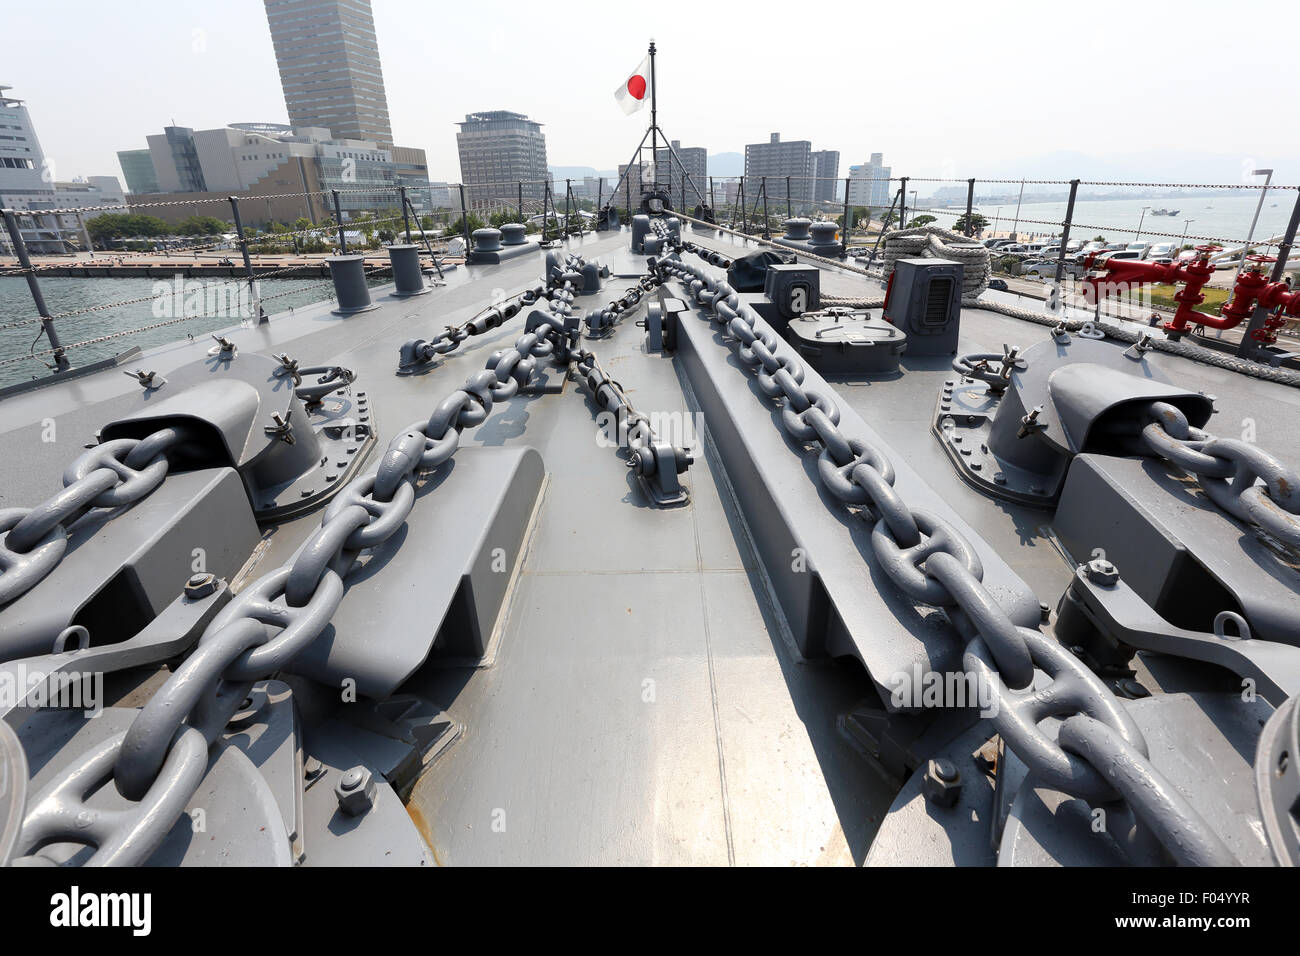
<point>356,791</point>
<point>1101,571</point>
<point>200,586</point>
<point>942,782</point>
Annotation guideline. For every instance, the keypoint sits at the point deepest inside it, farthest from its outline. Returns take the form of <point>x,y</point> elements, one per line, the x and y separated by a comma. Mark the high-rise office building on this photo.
<point>869,183</point>
<point>826,170</point>
<point>137,167</point>
<point>689,167</point>
<point>28,185</point>
<point>329,67</point>
<point>267,159</point>
<point>499,149</point>
<point>775,160</point>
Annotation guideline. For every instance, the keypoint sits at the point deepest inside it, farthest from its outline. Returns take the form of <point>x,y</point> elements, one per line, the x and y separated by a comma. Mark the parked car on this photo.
<point>1046,268</point>
<point>1161,250</point>
<point>998,284</point>
<point>1115,255</point>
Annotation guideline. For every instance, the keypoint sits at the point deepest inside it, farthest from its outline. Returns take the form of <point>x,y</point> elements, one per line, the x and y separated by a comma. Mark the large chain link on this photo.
<point>1243,479</point>
<point>160,761</point>
<point>115,474</point>
<point>931,561</point>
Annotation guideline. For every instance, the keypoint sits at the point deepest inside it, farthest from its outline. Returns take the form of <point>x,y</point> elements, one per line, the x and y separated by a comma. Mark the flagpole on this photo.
<point>654,115</point>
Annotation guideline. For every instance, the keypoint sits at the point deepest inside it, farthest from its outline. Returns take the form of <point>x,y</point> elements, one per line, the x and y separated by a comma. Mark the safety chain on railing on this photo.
<point>115,474</point>
<point>1090,228</point>
<point>161,759</point>
<point>1227,470</point>
<point>931,562</point>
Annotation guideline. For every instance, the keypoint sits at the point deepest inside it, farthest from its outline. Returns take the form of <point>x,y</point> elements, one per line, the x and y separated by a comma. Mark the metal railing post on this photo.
<point>1249,346</point>
<point>1054,300</point>
<point>338,218</point>
<point>248,260</point>
<point>788,207</point>
<point>766,231</point>
<point>713,206</point>
<point>61,362</point>
<point>406,222</point>
<point>568,191</point>
<point>970,205</point>
<point>848,225</point>
<point>744,213</point>
<point>464,215</point>
<point>600,193</point>
<point>902,204</point>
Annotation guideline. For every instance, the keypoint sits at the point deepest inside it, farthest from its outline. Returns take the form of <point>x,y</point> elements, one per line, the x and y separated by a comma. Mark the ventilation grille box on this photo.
<point>925,302</point>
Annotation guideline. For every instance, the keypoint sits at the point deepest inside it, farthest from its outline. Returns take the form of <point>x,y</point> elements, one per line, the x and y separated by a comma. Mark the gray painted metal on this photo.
<point>1176,549</point>
<point>438,585</point>
<point>350,288</point>
<point>829,609</point>
<point>847,342</point>
<point>122,572</point>
<point>235,806</point>
<point>244,411</point>
<point>1012,431</point>
<point>408,274</point>
<point>670,596</point>
<point>925,302</point>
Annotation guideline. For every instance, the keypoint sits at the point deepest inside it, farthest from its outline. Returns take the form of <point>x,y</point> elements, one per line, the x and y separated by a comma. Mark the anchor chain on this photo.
<point>115,474</point>
<point>931,561</point>
<point>161,759</point>
<point>1247,482</point>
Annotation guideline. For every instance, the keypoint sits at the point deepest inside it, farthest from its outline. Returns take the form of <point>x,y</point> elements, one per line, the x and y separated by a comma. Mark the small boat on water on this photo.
<point>1164,212</point>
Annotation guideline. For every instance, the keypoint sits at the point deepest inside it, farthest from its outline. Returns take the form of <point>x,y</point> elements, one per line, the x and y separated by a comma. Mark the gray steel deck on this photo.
<point>640,704</point>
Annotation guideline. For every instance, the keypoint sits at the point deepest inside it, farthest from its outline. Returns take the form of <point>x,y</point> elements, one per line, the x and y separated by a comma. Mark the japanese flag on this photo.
<point>633,94</point>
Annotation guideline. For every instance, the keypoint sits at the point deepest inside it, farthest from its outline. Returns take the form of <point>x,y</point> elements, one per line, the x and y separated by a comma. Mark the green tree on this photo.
<point>118,225</point>
<point>924,220</point>
<point>202,226</point>
<point>978,223</point>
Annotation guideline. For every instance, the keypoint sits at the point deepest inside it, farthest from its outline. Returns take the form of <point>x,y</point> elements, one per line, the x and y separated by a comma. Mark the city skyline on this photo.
<point>195,43</point>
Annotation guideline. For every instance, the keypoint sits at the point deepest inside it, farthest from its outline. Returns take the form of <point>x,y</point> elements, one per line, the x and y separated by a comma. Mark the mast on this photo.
<point>654,117</point>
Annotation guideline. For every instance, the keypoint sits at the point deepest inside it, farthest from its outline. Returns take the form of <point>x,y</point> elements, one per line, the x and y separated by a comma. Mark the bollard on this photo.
<point>797,228</point>
<point>408,276</point>
<point>349,275</point>
<point>514,234</point>
<point>823,234</point>
<point>487,240</point>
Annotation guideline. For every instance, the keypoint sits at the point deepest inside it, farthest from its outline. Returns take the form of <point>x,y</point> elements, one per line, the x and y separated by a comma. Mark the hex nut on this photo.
<point>1102,572</point>
<point>200,585</point>
<point>355,791</point>
<point>942,782</point>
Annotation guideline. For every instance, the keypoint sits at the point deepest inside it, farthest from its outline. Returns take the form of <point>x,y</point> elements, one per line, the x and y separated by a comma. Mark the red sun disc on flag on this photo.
<point>636,86</point>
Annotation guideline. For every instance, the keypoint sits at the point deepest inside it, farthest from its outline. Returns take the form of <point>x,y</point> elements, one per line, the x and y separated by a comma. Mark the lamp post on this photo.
<point>1268,178</point>
<point>1140,220</point>
<point>1186,224</point>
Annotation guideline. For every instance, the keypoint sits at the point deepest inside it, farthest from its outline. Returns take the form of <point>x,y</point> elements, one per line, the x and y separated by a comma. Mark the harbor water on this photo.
<point>170,309</point>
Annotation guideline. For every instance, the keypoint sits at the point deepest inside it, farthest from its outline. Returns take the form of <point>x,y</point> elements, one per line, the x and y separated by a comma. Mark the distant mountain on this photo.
<point>727,164</point>
<point>572,172</point>
<point>578,172</point>
<point>1169,166</point>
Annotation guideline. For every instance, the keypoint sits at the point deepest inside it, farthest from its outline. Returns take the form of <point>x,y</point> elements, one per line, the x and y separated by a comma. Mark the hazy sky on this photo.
<point>973,88</point>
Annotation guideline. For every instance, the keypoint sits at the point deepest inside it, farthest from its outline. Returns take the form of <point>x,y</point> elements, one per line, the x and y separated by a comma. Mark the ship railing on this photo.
<point>314,221</point>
